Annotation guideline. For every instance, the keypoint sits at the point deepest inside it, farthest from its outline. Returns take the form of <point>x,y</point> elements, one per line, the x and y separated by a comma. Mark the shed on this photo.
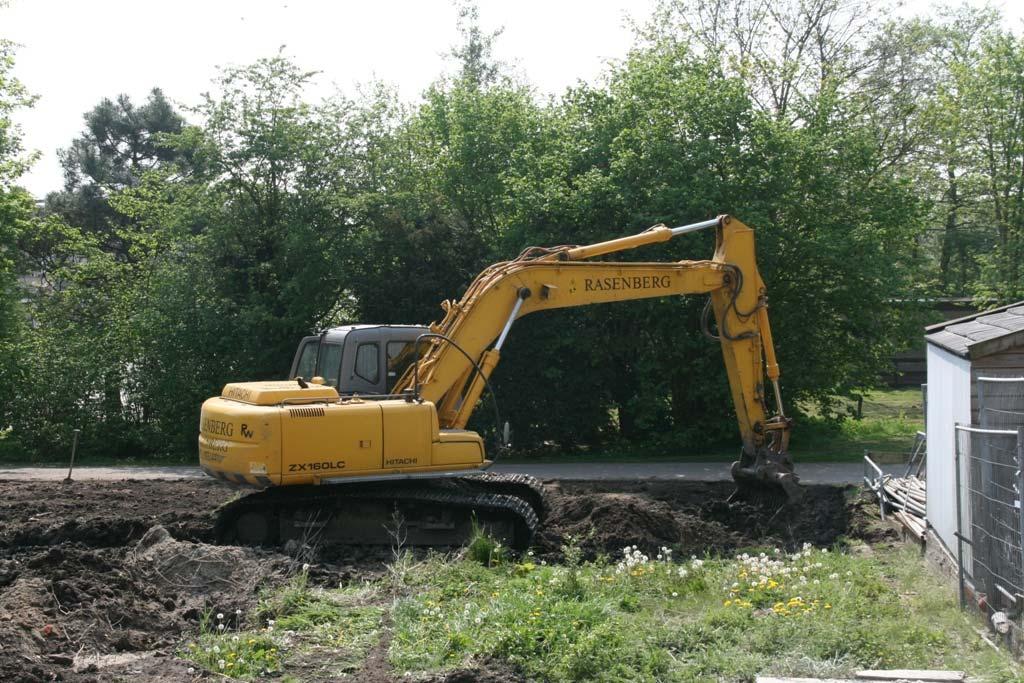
<point>986,344</point>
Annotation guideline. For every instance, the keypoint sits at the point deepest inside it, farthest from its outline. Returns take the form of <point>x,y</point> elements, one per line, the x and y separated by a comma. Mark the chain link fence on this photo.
<point>989,514</point>
<point>990,517</point>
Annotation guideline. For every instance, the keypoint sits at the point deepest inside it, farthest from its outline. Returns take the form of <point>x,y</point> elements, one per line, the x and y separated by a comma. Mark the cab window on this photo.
<point>368,362</point>
<point>306,366</point>
<point>330,364</point>
<point>400,356</point>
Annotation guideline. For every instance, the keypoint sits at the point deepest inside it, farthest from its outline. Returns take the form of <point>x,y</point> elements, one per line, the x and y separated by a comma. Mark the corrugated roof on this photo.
<point>980,334</point>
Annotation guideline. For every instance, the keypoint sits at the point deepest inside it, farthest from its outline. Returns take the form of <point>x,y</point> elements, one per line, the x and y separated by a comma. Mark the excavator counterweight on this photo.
<point>374,419</point>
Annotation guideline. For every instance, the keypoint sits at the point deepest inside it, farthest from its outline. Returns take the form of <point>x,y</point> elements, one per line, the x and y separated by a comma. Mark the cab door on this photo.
<point>400,351</point>
<point>362,365</point>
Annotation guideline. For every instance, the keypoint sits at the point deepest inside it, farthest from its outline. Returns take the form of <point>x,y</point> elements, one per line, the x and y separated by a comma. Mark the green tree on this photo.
<point>238,258</point>
<point>120,143</point>
<point>16,215</point>
<point>676,137</point>
<point>995,94</point>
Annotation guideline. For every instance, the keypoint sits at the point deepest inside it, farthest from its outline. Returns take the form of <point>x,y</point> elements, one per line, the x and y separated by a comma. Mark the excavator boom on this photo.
<point>542,279</point>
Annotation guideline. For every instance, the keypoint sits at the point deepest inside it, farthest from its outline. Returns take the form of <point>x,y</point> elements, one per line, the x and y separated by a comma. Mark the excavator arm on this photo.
<point>476,327</point>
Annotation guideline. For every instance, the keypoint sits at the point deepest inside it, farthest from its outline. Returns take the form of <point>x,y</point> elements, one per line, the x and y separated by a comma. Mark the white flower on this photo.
<point>478,619</point>
<point>191,670</point>
<point>270,622</point>
<point>220,663</point>
<point>833,576</point>
<point>238,612</point>
<point>674,594</point>
<point>220,616</point>
<point>216,649</point>
<point>816,582</point>
<point>220,627</point>
<point>849,573</point>
<point>305,567</point>
<point>234,639</point>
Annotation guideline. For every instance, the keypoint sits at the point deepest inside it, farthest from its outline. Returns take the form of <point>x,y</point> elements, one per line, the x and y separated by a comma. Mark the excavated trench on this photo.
<point>102,580</point>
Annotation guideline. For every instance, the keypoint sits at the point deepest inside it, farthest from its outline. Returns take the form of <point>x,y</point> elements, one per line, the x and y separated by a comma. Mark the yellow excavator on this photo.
<point>372,426</point>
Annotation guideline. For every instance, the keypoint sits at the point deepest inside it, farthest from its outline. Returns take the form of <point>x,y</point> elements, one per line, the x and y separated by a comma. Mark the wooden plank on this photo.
<point>769,679</point>
<point>927,675</point>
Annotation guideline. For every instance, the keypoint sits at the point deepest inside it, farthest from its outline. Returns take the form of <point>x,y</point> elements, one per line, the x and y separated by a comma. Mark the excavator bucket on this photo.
<point>767,479</point>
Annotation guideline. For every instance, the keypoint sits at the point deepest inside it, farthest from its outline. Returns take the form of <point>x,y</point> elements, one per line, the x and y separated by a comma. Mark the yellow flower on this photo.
<point>828,606</point>
<point>727,603</point>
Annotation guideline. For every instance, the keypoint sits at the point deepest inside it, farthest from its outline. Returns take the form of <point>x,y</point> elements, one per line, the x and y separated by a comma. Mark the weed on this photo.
<point>571,585</point>
<point>402,561</point>
<point>484,548</point>
<point>231,650</point>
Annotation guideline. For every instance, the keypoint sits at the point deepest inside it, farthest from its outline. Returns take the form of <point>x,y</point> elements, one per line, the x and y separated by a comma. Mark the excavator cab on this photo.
<point>358,359</point>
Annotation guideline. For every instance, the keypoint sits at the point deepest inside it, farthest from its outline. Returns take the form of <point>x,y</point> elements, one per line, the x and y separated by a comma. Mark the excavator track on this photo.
<point>524,486</point>
<point>437,513</point>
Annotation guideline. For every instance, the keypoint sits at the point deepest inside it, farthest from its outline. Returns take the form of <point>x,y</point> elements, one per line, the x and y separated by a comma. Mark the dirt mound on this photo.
<point>200,570</point>
<point>692,518</point>
<point>106,513</point>
<point>22,629</point>
<point>608,522</point>
<point>81,612</point>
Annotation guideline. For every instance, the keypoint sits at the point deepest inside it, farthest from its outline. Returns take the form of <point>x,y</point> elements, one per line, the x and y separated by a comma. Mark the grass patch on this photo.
<point>330,630</point>
<point>653,619</point>
<point>814,612</point>
<point>341,625</point>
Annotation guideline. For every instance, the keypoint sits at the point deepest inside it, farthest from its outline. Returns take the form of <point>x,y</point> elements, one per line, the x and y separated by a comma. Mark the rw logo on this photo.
<point>246,432</point>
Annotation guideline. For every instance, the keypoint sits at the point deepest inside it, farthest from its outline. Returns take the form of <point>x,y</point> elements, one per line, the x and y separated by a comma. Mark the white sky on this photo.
<point>75,52</point>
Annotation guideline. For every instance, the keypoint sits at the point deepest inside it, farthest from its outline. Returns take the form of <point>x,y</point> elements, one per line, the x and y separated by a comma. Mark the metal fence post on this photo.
<point>1020,490</point>
<point>959,525</point>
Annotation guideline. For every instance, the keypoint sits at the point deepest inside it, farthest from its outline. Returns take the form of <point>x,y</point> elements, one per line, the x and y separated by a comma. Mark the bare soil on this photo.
<point>102,581</point>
